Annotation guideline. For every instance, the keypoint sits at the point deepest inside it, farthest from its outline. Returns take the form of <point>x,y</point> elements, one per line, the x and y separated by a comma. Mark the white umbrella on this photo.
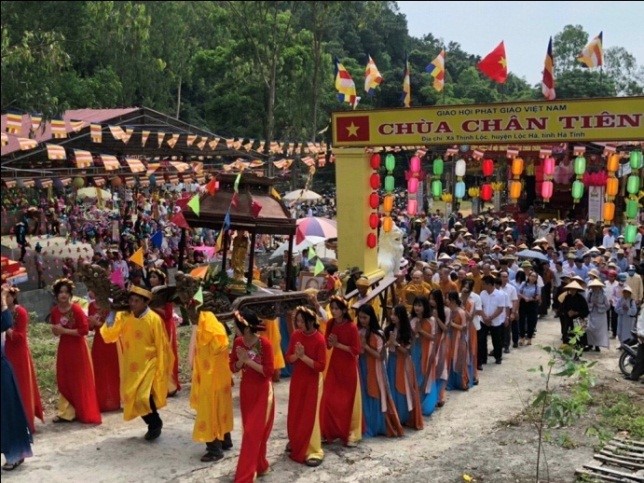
<point>309,241</point>
<point>91,192</point>
<point>301,195</point>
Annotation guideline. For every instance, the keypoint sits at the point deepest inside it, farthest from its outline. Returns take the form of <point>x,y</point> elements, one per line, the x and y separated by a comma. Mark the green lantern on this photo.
<point>632,207</point>
<point>390,162</point>
<point>577,190</point>
<point>437,188</point>
<point>580,165</point>
<point>389,183</point>
<point>438,167</point>
<point>630,232</point>
<point>633,184</point>
<point>636,159</point>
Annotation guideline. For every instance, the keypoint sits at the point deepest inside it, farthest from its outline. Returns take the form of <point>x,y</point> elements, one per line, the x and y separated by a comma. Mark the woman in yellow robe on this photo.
<point>211,394</point>
<point>146,361</point>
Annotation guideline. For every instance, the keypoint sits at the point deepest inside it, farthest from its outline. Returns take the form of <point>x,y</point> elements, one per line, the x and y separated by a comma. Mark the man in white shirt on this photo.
<point>512,322</point>
<point>494,309</point>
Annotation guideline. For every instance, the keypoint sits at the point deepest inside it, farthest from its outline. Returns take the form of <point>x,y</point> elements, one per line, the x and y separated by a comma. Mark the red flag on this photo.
<point>255,208</point>
<point>212,186</point>
<point>495,65</point>
<point>234,201</point>
<point>353,128</point>
<point>180,221</point>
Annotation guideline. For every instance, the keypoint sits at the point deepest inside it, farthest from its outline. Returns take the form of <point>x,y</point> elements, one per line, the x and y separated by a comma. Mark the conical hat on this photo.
<point>574,286</point>
<point>596,283</point>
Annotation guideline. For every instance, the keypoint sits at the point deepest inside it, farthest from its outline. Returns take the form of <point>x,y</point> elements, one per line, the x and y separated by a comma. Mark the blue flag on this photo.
<point>226,221</point>
<point>157,239</point>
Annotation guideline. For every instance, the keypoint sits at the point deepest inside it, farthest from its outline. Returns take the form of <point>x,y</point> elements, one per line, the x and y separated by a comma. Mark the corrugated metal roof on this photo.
<point>88,116</point>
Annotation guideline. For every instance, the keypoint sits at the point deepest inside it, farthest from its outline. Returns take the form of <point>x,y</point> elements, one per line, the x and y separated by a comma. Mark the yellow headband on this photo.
<point>141,291</point>
<point>306,310</point>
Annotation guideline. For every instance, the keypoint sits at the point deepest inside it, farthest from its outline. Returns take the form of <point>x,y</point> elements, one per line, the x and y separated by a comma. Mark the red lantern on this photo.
<point>546,190</point>
<point>371,240</point>
<point>374,200</point>
<point>412,207</point>
<point>549,166</point>
<point>374,220</point>
<point>414,164</point>
<point>488,167</point>
<point>375,161</point>
<point>412,185</point>
<point>374,181</point>
<point>486,192</point>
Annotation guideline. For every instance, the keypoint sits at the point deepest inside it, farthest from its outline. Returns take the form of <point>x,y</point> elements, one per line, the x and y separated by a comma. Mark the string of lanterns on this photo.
<point>413,176</point>
<point>633,204</point>
<point>515,185</point>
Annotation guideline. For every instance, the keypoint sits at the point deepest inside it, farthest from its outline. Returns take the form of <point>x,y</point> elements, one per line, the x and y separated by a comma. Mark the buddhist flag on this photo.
<point>345,85</point>
<point>593,53</point>
<point>436,69</point>
<point>372,77</point>
<point>495,65</point>
<point>406,95</point>
<point>137,257</point>
<point>548,82</point>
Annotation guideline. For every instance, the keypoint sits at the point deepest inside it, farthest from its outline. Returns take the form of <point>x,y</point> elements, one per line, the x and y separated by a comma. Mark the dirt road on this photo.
<point>463,437</point>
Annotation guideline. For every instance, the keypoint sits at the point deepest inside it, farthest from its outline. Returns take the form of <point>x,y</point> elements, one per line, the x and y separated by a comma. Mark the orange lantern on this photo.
<point>515,190</point>
<point>388,203</point>
<point>609,211</point>
<point>517,167</point>
<point>371,240</point>
<point>387,223</point>
<point>487,166</point>
<point>612,186</point>
<point>374,200</point>
<point>612,164</point>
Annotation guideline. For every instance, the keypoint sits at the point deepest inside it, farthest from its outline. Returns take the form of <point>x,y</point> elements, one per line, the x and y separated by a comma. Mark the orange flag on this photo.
<point>137,257</point>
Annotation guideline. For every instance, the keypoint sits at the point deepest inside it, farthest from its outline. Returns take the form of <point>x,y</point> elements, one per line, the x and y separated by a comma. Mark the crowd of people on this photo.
<point>359,366</point>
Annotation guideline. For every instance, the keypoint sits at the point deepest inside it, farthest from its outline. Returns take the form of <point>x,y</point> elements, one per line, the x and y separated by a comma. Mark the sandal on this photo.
<point>12,466</point>
<point>58,419</point>
<point>313,462</point>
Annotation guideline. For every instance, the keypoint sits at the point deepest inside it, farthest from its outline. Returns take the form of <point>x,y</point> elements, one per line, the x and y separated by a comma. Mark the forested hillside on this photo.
<point>253,69</point>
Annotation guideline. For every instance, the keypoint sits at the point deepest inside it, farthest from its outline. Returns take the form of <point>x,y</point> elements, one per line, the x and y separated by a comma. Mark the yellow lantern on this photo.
<point>517,167</point>
<point>609,211</point>
<point>388,203</point>
<point>612,186</point>
<point>612,164</point>
<point>515,190</point>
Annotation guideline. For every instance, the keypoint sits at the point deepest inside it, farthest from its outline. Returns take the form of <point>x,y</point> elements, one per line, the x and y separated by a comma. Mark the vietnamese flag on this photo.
<point>495,65</point>
<point>352,128</point>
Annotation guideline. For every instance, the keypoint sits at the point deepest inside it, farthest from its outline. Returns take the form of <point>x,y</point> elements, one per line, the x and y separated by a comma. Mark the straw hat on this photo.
<point>579,279</point>
<point>596,283</point>
<point>626,288</point>
<point>593,272</point>
<point>574,286</point>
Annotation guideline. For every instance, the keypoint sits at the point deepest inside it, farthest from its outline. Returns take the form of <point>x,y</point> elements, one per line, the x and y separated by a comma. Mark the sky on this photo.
<point>525,27</point>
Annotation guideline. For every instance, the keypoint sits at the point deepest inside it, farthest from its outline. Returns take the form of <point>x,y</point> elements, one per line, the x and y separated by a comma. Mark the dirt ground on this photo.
<point>476,434</point>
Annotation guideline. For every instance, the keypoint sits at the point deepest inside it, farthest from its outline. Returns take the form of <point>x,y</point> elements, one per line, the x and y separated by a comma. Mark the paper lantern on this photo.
<point>459,190</point>
<point>388,203</point>
<point>460,168</point>
<point>414,164</point>
<point>438,166</point>
<point>517,166</point>
<point>636,159</point>
<point>612,164</point>
<point>487,167</point>
<point>78,182</point>
<point>486,192</point>
<point>374,161</point>
<point>389,183</point>
<point>633,184</point>
<point>374,181</point>
<point>577,190</point>
<point>374,200</point>
<point>412,207</point>
<point>630,233</point>
<point>437,188</point>
<point>546,190</point>
<point>612,186</point>
<point>374,220</point>
<point>549,166</point>
<point>371,240</point>
<point>515,190</point>
<point>387,223</point>
<point>632,207</point>
<point>609,211</point>
<point>390,162</point>
<point>412,185</point>
<point>580,166</point>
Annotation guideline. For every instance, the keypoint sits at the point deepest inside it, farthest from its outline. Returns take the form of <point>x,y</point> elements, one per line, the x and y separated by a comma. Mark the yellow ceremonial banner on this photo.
<point>137,257</point>
<point>610,119</point>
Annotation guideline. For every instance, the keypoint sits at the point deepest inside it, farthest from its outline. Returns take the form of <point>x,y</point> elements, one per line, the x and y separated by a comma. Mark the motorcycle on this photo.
<point>628,355</point>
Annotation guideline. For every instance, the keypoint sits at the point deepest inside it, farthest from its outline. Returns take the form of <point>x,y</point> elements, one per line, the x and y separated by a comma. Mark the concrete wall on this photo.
<point>42,300</point>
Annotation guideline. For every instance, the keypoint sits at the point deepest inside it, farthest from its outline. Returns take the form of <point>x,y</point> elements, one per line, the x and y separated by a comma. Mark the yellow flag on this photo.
<point>137,257</point>
<point>275,194</point>
<point>220,240</point>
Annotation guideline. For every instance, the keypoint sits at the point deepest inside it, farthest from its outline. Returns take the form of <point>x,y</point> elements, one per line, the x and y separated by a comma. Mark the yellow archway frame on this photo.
<point>519,123</point>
